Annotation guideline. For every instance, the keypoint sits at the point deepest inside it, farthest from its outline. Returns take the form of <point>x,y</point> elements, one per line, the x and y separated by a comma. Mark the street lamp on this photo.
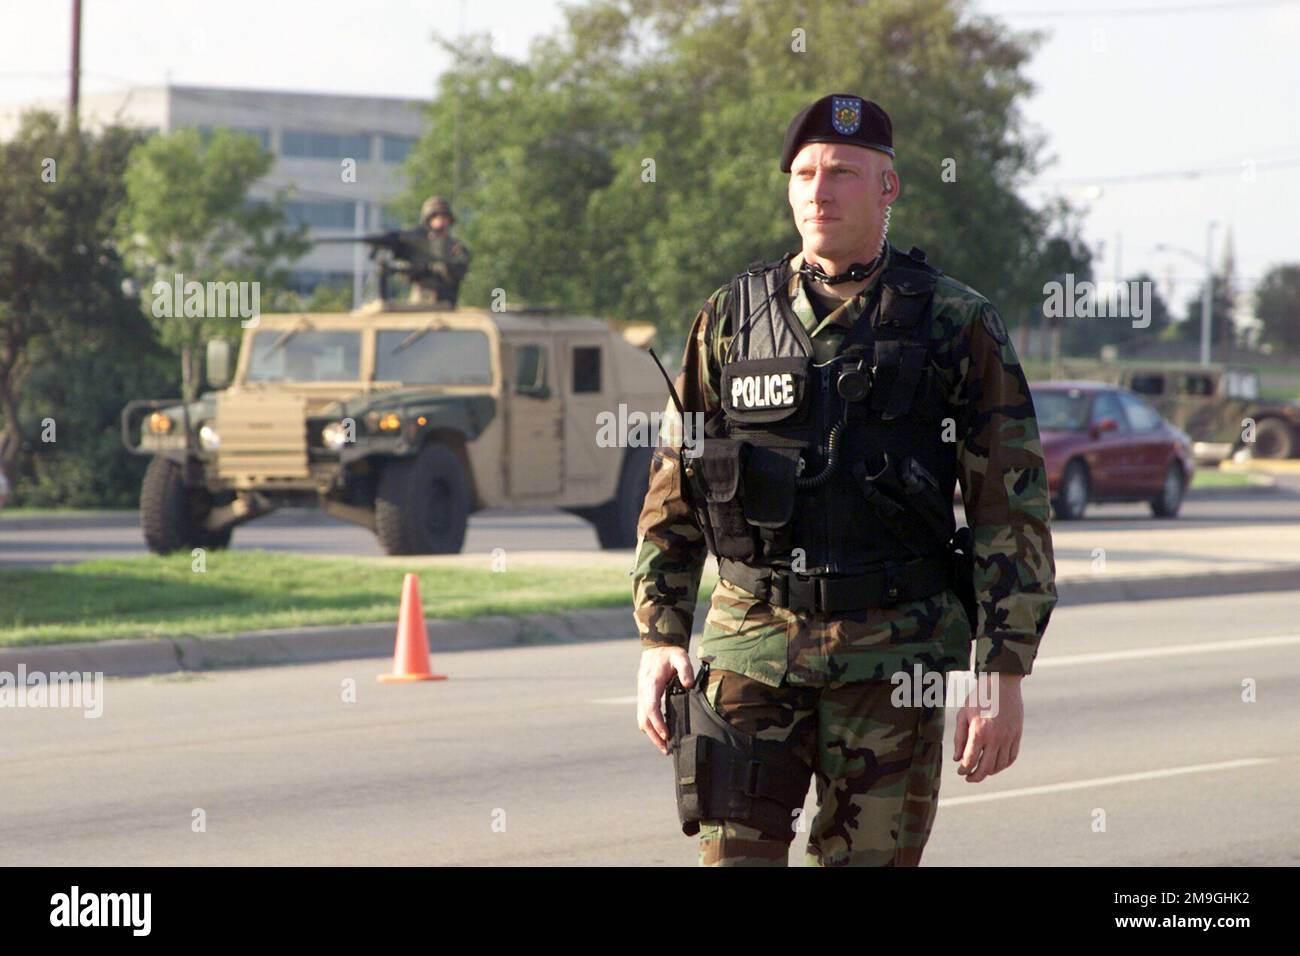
<point>1207,291</point>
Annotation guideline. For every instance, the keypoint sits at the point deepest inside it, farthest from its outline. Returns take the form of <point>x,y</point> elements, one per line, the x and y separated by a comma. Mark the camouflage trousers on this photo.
<point>876,768</point>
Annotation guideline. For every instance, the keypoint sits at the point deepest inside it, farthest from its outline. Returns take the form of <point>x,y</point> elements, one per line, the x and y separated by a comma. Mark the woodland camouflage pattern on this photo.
<point>876,771</point>
<point>1004,486</point>
<point>438,264</point>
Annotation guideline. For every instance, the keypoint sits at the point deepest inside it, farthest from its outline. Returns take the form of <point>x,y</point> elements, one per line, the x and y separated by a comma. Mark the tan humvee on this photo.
<point>405,419</point>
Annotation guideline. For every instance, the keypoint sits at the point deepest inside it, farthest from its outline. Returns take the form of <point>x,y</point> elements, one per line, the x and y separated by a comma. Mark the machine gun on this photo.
<point>400,256</point>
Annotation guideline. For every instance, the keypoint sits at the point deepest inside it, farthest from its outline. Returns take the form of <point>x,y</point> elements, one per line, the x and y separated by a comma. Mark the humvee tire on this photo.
<point>172,515</point>
<point>1072,501</point>
<point>422,503</point>
<point>1170,499</point>
<point>615,521</point>
<point>1273,439</point>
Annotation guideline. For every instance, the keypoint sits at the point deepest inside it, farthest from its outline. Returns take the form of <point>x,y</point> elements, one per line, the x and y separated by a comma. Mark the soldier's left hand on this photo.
<point>988,738</point>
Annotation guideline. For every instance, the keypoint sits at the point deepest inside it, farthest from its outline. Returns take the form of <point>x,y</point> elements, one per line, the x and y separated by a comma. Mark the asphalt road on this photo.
<point>78,538</point>
<point>530,756</point>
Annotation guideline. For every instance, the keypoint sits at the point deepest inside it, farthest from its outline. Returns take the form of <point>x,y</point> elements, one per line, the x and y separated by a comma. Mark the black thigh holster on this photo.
<point>724,774</point>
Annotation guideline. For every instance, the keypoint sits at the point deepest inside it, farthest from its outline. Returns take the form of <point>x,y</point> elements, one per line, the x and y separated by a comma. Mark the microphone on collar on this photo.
<point>855,273</point>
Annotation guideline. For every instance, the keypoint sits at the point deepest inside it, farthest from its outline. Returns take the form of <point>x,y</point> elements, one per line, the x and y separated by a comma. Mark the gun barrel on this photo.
<point>377,239</point>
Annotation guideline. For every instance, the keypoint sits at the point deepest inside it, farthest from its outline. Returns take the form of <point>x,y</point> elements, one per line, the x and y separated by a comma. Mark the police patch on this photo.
<point>993,322</point>
<point>846,114</point>
<point>763,391</point>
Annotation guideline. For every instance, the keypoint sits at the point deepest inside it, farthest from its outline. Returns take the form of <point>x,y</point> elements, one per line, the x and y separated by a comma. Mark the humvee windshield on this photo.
<point>1062,410</point>
<point>307,356</point>
<point>432,357</point>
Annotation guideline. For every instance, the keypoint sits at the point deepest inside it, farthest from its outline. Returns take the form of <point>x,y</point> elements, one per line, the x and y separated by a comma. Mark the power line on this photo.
<point>1220,5</point>
<point>1171,174</point>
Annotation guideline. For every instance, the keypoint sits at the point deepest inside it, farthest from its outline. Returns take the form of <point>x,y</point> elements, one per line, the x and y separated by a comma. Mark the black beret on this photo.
<point>839,118</point>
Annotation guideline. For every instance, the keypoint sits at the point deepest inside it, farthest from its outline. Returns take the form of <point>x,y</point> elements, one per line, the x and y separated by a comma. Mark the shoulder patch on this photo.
<point>993,322</point>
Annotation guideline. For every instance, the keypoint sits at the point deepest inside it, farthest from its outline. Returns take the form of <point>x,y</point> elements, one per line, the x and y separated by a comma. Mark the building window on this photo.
<point>259,133</point>
<point>396,148</point>
<point>321,215</point>
<point>586,370</point>
<point>305,281</point>
<point>313,145</point>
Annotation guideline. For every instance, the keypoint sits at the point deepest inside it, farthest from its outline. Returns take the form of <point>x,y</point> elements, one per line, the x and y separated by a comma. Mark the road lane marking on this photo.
<point>1207,647</point>
<point>1107,781</point>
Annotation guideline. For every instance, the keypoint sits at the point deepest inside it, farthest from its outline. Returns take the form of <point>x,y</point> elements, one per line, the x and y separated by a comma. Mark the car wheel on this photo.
<point>1273,439</point>
<point>1072,501</point>
<point>615,522</point>
<point>164,512</point>
<point>1170,499</point>
<point>422,504</point>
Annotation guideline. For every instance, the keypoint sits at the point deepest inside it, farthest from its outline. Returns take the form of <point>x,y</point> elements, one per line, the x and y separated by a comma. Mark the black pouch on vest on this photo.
<point>902,348</point>
<point>721,466</point>
<point>770,476</point>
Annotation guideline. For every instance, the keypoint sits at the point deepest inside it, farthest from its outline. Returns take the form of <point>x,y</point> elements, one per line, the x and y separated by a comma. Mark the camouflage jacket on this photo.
<point>438,264</point>
<point>1004,488</point>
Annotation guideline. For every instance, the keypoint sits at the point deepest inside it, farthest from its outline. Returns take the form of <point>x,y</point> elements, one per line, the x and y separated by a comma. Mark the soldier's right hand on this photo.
<point>658,664</point>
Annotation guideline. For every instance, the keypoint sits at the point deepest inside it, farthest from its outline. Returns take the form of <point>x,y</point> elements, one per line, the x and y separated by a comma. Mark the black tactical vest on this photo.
<point>832,468</point>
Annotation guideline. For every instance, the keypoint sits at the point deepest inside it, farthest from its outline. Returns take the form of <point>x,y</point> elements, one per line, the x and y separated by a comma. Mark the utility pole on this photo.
<point>1207,294</point>
<point>74,91</point>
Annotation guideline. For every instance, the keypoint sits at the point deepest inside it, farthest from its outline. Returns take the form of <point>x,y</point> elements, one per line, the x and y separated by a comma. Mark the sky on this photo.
<point>1161,115</point>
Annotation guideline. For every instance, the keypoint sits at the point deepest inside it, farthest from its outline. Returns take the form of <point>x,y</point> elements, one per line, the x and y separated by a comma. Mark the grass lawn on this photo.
<point>1213,478</point>
<point>250,590</point>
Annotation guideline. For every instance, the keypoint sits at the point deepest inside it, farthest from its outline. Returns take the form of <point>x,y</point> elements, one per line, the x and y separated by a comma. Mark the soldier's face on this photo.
<point>439,223</point>
<point>838,194</point>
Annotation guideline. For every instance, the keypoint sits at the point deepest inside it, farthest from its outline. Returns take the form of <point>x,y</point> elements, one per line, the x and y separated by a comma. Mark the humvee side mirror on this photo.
<point>218,363</point>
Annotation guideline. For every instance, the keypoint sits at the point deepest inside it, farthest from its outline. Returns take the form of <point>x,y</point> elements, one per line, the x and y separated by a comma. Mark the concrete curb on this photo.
<point>139,657</point>
<point>70,522</point>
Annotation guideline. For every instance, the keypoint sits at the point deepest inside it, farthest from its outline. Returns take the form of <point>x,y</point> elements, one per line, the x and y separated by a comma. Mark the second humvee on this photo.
<point>405,419</point>
<point>1214,404</point>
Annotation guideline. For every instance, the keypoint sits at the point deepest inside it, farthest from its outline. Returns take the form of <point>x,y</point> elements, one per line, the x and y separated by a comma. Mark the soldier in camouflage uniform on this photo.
<point>817,683</point>
<point>438,260</point>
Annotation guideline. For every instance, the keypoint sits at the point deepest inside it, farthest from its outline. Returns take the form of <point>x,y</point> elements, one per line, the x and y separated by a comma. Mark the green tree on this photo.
<point>73,347</point>
<point>1086,336</point>
<point>628,166</point>
<point>1277,306</point>
<point>187,213</point>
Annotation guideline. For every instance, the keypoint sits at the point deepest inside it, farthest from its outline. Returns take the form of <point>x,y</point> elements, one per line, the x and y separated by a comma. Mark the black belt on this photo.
<point>890,584</point>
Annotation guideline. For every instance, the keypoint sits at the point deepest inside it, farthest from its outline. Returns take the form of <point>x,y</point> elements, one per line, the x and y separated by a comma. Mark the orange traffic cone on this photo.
<point>411,653</point>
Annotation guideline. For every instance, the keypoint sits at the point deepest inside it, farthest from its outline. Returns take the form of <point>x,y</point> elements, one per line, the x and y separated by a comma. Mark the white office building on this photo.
<point>312,136</point>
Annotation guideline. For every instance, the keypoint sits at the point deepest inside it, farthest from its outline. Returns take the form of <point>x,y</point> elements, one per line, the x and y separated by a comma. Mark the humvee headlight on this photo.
<point>209,439</point>
<point>160,424</point>
<point>334,435</point>
<point>390,422</point>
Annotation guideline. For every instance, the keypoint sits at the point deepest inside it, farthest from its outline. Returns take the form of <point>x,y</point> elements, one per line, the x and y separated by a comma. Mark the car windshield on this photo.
<point>1062,409</point>
<point>433,357</point>
<point>286,356</point>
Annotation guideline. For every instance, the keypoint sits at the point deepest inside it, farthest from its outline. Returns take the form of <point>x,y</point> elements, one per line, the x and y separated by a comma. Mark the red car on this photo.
<point>1103,443</point>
